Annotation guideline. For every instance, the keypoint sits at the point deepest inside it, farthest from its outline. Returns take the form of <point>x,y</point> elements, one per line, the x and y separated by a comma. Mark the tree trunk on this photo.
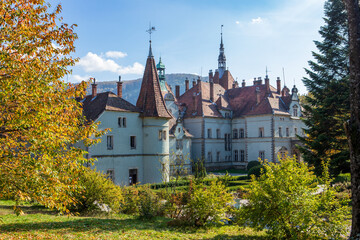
<point>353,126</point>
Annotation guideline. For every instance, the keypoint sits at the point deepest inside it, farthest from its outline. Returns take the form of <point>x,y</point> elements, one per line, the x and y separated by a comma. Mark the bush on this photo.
<point>343,177</point>
<point>256,171</point>
<point>207,202</point>
<point>131,199</point>
<point>285,201</point>
<point>149,203</point>
<point>98,193</point>
<point>252,164</point>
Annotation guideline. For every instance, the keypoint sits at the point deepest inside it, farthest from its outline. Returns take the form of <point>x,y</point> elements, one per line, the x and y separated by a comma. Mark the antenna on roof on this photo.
<point>266,72</point>
<point>284,76</point>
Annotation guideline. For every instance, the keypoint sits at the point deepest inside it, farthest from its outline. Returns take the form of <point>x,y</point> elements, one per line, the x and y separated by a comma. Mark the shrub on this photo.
<point>207,202</point>
<point>131,199</point>
<point>256,171</point>
<point>252,164</point>
<point>343,177</point>
<point>149,203</point>
<point>98,193</point>
<point>285,201</point>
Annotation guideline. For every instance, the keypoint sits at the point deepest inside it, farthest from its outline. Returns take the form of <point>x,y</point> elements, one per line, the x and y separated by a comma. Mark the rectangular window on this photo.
<point>209,156</point>
<point>160,135</point>
<point>164,135</point>
<point>226,144</point>
<point>133,142</point>
<point>261,132</point>
<point>110,142</point>
<point>209,132</point>
<point>235,134</point>
<point>295,129</point>
<point>110,174</point>
<point>280,132</point>
<point>242,156</point>
<point>133,175</point>
<point>236,155</point>
<point>218,134</point>
<point>119,121</point>
<point>241,133</point>
<point>229,142</point>
<point>218,156</point>
<point>124,122</point>
<point>287,132</point>
<point>179,144</point>
<point>262,155</point>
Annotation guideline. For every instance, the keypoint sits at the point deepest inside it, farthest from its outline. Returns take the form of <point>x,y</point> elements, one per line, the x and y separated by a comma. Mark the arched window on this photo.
<point>283,152</point>
<point>235,134</point>
<point>295,110</point>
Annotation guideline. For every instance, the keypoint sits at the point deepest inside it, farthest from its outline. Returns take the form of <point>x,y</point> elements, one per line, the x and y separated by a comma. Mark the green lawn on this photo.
<point>40,223</point>
<point>237,171</point>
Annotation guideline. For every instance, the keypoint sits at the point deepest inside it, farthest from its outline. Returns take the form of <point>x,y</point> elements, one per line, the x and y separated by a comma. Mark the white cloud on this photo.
<point>257,20</point>
<point>77,78</point>
<point>95,63</point>
<point>237,22</point>
<point>115,54</point>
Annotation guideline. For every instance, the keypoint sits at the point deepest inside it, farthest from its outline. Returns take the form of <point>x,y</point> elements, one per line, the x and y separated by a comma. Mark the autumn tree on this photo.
<point>327,104</point>
<point>353,125</point>
<point>40,120</point>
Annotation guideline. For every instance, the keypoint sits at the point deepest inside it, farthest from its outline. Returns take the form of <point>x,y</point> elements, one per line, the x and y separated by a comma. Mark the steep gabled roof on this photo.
<point>93,107</point>
<point>201,94</point>
<point>243,101</point>
<point>150,100</point>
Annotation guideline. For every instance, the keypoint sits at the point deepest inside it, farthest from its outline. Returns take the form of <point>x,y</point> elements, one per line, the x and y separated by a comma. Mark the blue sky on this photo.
<point>274,33</point>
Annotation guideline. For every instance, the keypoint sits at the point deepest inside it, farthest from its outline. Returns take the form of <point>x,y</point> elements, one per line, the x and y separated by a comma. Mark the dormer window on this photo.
<point>295,110</point>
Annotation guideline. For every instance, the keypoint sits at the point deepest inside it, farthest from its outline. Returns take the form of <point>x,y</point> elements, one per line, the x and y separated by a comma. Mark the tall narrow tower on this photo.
<point>161,71</point>
<point>222,58</point>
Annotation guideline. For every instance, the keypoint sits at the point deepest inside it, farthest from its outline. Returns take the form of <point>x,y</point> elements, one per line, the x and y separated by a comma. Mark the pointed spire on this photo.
<point>150,99</point>
<point>222,58</point>
<point>150,51</point>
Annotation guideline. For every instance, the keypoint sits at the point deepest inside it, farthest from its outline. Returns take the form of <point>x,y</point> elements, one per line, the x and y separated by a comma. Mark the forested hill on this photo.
<point>131,88</point>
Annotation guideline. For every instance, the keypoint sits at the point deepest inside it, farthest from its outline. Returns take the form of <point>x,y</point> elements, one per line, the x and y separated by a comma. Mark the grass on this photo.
<point>40,223</point>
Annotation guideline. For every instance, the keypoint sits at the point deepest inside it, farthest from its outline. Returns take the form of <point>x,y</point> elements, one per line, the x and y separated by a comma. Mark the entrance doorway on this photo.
<point>133,176</point>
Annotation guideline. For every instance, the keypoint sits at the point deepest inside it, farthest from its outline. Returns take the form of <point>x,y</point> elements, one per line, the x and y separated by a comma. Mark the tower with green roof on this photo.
<point>161,71</point>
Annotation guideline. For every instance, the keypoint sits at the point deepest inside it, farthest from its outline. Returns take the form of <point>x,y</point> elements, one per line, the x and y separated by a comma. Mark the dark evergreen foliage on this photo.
<point>327,104</point>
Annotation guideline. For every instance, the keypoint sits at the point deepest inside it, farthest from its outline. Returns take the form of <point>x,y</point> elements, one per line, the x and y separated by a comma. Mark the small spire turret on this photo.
<point>222,58</point>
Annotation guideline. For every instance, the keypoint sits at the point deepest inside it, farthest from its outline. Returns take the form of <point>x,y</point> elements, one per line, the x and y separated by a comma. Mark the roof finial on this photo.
<point>221,35</point>
<point>150,30</point>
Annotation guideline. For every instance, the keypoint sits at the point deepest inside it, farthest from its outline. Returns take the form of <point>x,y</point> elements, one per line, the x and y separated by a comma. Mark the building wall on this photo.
<point>155,150</point>
<point>122,157</point>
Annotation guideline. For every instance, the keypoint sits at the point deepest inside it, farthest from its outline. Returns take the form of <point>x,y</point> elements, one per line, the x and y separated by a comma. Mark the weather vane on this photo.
<point>150,30</point>
<point>266,71</point>
<point>221,28</point>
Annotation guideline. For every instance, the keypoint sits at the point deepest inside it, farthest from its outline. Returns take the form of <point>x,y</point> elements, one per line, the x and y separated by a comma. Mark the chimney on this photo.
<point>177,91</point>
<point>255,81</point>
<point>94,87</point>
<point>210,75</point>
<point>198,80</point>
<point>119,87</point>
<point>186,85</point>
<point>267,85</point>
<point>257,91</point>
<point>243,83</point>
<point>278,85</point>
<point>259,82</point>
<point>194,82</point>
<point>234,85</point>
<point>212,90</point>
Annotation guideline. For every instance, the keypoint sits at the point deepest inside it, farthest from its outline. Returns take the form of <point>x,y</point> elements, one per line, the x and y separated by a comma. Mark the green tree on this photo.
<point>286,201</point>
<point>353,125</point>
<point>40,119</point>
<point>327,104</point>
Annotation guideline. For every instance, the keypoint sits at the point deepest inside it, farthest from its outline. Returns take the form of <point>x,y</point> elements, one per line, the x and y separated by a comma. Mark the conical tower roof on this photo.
<point>150,99</point>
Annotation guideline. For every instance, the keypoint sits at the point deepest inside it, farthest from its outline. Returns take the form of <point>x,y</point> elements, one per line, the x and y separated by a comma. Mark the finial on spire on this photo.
<point>221,35</point>
<point>267,72</point>
<point>150,30</point>
<point>119,78</point>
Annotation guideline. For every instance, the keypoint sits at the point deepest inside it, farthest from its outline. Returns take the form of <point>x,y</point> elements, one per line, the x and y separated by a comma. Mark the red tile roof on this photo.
<point>242,101</point>
<point>150,100</point>
<point>93,107</point>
